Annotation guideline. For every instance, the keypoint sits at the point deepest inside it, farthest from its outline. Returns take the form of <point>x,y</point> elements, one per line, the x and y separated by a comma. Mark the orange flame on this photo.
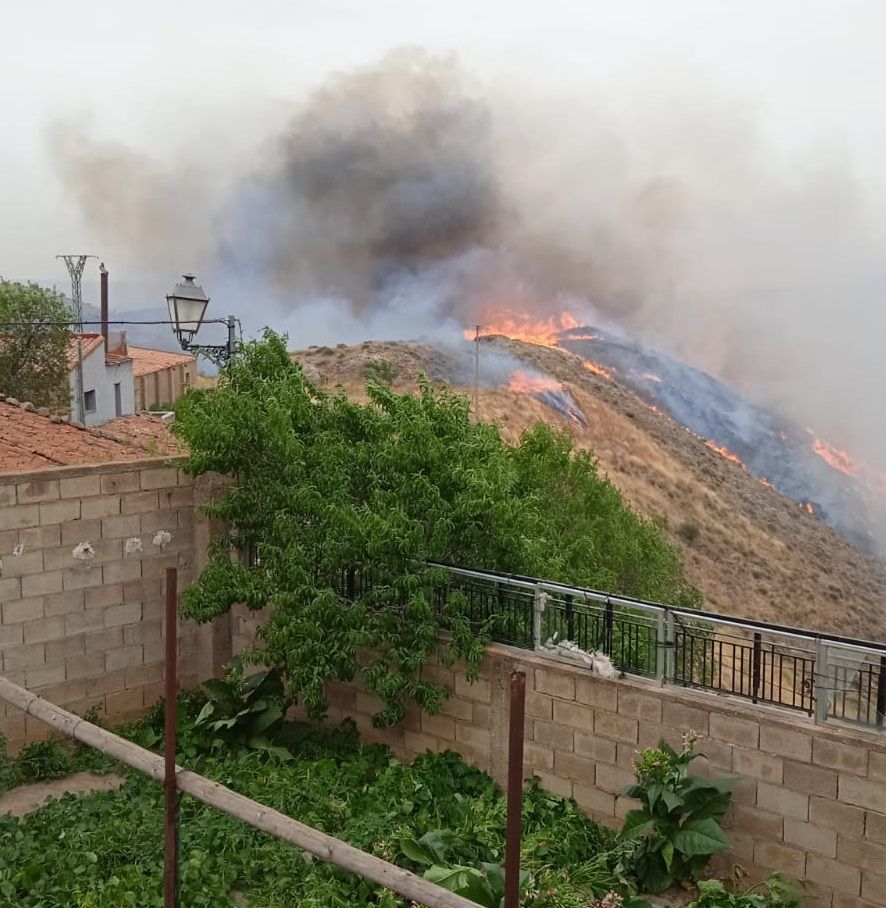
<point>525,326</point>
<point>724,452</point>
<point>766,482</point>
<point>521,382</point>
<point>809,508</point>
<point>835,458</point>
<point>596,368</point>
<point>650,377</point>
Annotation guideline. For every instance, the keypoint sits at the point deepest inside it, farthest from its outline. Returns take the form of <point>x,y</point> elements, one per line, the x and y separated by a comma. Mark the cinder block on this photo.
<point>11,635</point>
<point>121,527</point>
<point>64,603</point>
<point>90,619</point>
<point>873,887</point>
<point>578,769</point>
<point>180,497</point>
<point>839,817</point>
<point>439,727</point>
<point>480,689</point>
<point>596,692</point>
<point>686,717</point>
<point>23,610</point>
<point>124,657</point>
<point>478,738</point>
<point>559,737</point>
<point>601,750</point>
<point>875,828</point>
<point>635,705</point>
<point>115,483</point>
<point>155,520</point>
<point>417,743</point>
<point>538,757</point>
<point>761,824</point>
<point>784,801</point>
<point>59,511</point>
<point>44,629</point>
<point>106,683</point>
<point>37,491</point>
<point>734,730</point>
<point>128,613</point>
<point>811,838</point>
<point>42,675</point>
<point>80,486</point>
<point>594,800</point>
<point>25,657</point>
<point>64,693</point>
<point>152,631</point>
<point>76,531</point>
<point>86,666</point>
<point>101,640</point>
<point>141,675</point>
<point>122,571</point>
<point>124,702</point>
<point>846,758</point>
<point>841,900</point>
<point>859,853</point>
<point>576,715</point>
<point>555,683</point>
<point>877,766</point>
<point>553,783</point>
<point>835,874</point>
<point>482,715</point>
<point>47,537</point>
<point>610,725</point>
<point>10,589</point>
<point>539,705</point>
<point>64,648</point>
<point>103,506</point>
<point>7,493</point>
<point>757,765</point>
<point>15,517</point>
<point>810,779</point>
<point>24,564</point>
<point>871,795</point>
<point>158,478</point>
<point>81,577</point>
<point>107,594</point>
<point>611,778</point>
<point>781,858</point>
<point>139,503</point>
<point>457,708</point>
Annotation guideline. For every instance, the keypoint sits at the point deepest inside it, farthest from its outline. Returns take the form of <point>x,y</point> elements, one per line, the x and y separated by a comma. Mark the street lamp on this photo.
<point>187,305</point>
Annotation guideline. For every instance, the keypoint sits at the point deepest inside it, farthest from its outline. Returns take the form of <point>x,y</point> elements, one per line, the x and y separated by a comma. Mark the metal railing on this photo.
<point>825,676</point>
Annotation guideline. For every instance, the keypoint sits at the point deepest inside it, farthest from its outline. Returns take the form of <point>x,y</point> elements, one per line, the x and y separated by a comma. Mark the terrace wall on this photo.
<point>89,632</point>
<point>810,801</point>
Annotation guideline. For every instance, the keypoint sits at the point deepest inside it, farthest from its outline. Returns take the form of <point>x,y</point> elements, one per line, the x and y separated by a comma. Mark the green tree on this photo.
<point>34,337</point>
<point>343,503</point>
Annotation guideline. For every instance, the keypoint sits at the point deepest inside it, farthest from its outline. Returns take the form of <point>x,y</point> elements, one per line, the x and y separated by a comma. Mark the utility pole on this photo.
<point>75,265</point>
<point>477,371</point>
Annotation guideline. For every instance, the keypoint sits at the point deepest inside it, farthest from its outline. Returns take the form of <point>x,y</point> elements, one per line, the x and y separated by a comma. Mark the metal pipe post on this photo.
<point>232,335</point>
<point>170,795</point>
<point>515,789</point>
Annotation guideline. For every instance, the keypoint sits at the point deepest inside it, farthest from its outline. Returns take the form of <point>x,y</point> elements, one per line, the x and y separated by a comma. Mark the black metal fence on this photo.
<point>828,677</point>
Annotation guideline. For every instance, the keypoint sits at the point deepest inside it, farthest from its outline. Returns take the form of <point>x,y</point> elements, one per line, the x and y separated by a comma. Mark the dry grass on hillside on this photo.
<point>753,552</point>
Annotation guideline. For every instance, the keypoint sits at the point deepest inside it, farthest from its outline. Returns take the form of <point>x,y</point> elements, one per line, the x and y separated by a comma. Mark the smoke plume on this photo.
<point>408,199</point>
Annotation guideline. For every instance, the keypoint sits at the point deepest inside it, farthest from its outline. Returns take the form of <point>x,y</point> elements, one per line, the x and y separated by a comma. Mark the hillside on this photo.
<point>753,552</point>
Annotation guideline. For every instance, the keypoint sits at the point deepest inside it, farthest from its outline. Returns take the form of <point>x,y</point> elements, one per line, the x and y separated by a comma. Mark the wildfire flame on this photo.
<point>809,507</point>
<point>525,326</point>
<point>650,377</point>
<point>521,382</point>
<point>596,368</point>
<point>724,452</point>
<point>835,458</point>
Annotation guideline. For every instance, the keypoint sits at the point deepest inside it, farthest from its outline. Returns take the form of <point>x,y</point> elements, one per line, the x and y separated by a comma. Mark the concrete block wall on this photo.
<point>810,801</point>
<point>84,627</point>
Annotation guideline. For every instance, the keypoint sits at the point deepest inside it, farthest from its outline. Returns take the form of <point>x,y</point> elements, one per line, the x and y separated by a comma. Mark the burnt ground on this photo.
<point>754,553</point>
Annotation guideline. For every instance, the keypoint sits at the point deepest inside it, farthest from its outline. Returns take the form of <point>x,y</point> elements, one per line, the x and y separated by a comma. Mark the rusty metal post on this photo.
<point>515,789</point>
<point>170,795</point>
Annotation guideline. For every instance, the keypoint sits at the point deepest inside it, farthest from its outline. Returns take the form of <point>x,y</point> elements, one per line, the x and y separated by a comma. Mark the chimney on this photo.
<point>104,302</point>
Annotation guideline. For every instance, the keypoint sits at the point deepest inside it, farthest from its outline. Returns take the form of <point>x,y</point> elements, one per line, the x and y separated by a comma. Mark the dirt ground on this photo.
<point>22,800</point>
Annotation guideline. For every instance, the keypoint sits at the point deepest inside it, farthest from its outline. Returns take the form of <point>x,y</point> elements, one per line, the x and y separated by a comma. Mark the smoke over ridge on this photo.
<point>408,199</point>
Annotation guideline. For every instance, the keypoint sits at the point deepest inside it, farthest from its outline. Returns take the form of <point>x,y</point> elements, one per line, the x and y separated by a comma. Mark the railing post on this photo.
<point>607,625</point>
<point>881,693</point>
<point>570,618</point>
<point>516,732</point>
<point>755,667</point>
<point>660,648</point>
<point>170,795</point>
<point>538,606</point>
<point>820,683</point>
<point>670,649</point>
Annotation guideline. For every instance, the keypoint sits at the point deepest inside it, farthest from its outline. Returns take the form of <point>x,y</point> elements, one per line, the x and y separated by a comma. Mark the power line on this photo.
<point>69,324</point>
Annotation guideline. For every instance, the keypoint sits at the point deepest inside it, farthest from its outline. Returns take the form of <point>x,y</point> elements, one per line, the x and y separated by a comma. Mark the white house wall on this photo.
<point>100,377</point>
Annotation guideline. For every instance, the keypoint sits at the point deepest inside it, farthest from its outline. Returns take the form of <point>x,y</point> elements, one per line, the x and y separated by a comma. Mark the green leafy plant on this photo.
<point>242,712</point>
<point>776,892</point>
<point>344,503</point>
<point>44,760</point>
<point>677,829</point>
<point>380,370</point>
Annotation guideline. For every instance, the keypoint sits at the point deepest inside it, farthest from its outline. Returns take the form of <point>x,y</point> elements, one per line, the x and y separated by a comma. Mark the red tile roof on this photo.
<point>145,360</point>
<point>90,342</point>
<point>30,440</point>
<point>146,431</point>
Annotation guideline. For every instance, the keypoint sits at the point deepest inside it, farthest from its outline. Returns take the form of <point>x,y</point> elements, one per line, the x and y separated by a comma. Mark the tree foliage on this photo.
<point>343,503</point>
<point>34,337</point>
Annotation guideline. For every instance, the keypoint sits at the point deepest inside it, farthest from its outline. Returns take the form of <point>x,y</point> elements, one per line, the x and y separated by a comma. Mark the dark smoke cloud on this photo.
<point>405,199</point>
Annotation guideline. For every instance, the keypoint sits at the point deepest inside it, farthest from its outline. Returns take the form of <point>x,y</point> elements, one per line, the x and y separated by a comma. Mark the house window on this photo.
<point>89,401</point>
<point>187,379</point>
<point>118,399</point>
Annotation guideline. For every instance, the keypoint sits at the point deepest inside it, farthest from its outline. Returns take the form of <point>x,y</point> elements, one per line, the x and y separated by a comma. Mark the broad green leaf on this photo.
<point>699,837</point>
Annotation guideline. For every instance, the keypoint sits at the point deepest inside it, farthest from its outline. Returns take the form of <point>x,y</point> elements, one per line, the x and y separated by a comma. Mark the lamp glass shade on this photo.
<point>187,306</point>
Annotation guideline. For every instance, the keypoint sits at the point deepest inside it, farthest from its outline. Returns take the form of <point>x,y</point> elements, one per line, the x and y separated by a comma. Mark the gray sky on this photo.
<point>810,72</point>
